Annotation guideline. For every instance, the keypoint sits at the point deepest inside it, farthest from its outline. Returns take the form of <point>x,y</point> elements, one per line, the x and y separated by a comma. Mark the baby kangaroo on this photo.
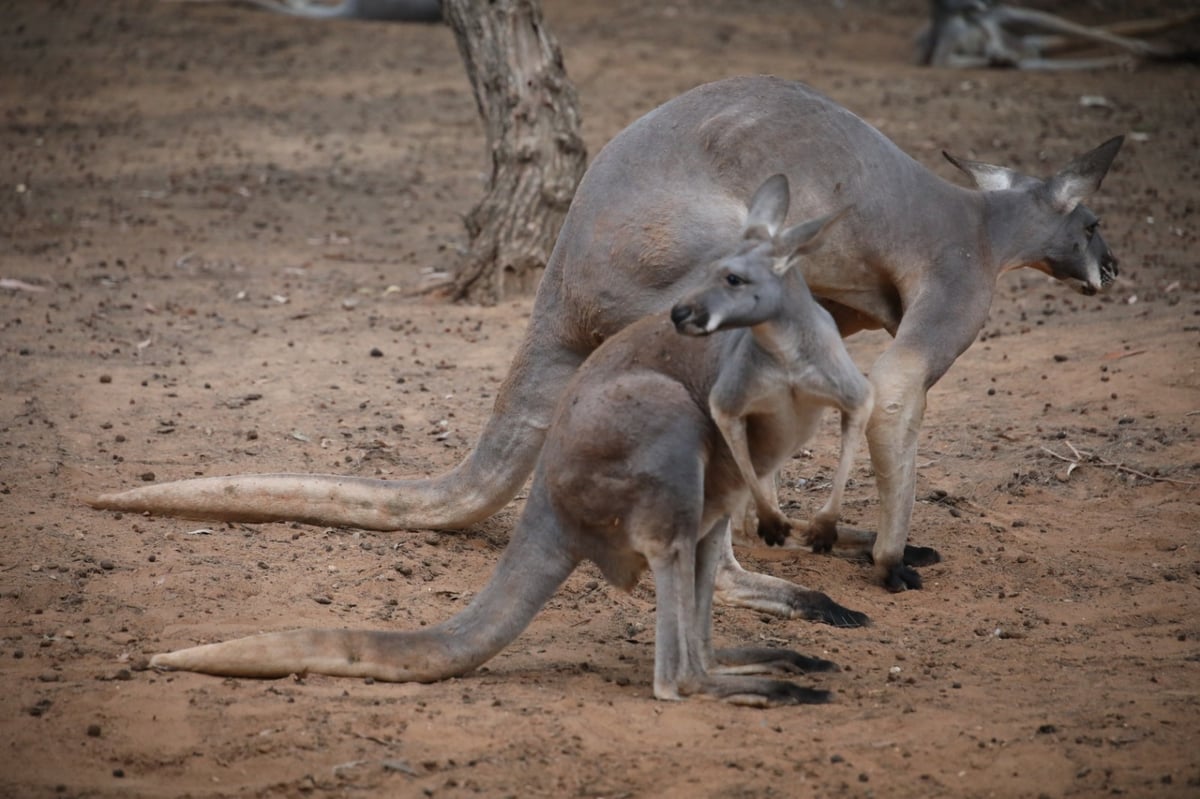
<point>657,440</point>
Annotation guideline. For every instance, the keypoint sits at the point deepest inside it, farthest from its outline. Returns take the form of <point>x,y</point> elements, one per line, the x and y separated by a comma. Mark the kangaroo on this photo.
<point>916,256</point>
<point>379,10</point>
<point>637,472</point>
<point>982,33</point>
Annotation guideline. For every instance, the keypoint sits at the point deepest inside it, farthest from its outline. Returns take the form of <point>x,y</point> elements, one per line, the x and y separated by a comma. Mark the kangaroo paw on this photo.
<point>774,531</point>
<point>821,535</point>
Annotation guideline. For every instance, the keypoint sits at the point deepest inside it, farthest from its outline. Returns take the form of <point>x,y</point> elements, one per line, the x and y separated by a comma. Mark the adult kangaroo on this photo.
<point>916,255</point>
<point>379,10</point>
<point>969,34</point>
<point>637,472</point>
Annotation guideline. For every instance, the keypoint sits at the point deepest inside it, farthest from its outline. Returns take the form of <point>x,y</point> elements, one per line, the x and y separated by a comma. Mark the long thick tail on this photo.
<point>483,483</point>
<point>534,565</point>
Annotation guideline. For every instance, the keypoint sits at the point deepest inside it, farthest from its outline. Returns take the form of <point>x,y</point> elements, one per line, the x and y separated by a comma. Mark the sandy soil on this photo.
<point>225,213</point>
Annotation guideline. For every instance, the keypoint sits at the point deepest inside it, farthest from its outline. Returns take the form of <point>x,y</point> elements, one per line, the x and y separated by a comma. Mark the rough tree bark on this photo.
<point>531,113</point>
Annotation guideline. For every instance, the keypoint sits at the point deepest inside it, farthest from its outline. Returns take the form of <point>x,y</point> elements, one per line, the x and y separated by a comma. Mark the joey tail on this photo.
<point>533,566</point>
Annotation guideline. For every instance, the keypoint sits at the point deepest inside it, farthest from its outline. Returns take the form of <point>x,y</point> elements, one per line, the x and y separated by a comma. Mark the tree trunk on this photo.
<point>532,117</point>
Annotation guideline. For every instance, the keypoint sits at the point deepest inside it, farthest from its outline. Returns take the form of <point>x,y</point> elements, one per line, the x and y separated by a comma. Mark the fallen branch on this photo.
<point>1093,458</point>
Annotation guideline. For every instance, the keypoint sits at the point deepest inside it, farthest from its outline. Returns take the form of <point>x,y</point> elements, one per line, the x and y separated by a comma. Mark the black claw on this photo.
<point>901,578</point>
<point>778,661</point>
<point>921,556</point>
<point>804,664</point>
<point>815,606</point>
<point>781,692</point>
<point>845,617</point>
<point>799,695</point>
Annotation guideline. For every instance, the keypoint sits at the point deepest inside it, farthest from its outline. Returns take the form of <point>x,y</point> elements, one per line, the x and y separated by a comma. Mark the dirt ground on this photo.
<point>225,212</point>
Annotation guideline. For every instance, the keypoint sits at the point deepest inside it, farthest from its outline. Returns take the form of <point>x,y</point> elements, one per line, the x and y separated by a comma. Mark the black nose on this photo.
<point>1110,263</point>
<point>680,314</point>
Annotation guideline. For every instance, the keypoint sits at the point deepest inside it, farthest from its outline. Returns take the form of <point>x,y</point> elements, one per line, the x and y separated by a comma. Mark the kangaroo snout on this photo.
<point>689,319</point>
<point>1109,268</point>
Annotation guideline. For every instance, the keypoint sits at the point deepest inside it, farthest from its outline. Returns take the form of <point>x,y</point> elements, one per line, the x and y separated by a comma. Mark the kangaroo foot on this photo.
<point>921,556</point>
<point>765,660</point>
<point>900,577</point>
<point>759,691</point>
<point>913,556</point>
<point>739,588</point>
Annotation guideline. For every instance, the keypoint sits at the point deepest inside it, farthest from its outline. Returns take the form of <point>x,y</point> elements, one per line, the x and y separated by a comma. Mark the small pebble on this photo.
<point>105,378</point>
<point>376,352</point>
<point>147,477</point>
<point>93,730</point>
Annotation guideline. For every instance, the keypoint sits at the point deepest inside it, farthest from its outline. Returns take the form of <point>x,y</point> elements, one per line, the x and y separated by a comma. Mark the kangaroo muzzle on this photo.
<point>690,320</point>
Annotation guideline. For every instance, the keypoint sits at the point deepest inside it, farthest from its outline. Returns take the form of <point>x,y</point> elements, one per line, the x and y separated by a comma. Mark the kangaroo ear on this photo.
<point>806,236</point>
<point>986,176</point>
<point>768,208</point>
<point>1081,177</point>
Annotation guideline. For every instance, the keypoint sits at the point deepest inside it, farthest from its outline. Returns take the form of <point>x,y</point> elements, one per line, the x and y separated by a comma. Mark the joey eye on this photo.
<point>1090,230</point>
<point>734,280</point>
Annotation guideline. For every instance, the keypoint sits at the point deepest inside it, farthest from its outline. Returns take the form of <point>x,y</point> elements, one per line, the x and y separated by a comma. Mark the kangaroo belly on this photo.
<point>775,439</point>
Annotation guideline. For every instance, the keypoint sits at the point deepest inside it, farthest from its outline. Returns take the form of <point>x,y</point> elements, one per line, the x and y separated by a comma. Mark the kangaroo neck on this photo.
<point>1006,219</point>
<point>781,335</point>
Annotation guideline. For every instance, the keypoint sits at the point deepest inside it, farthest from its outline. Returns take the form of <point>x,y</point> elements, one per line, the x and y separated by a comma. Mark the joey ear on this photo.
<point>768,208</point>
<point>1081,177</point>
<point>986,176</point>
<point>806,236</point>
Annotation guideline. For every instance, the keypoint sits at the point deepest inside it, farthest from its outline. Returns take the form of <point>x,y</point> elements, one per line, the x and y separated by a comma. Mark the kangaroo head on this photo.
<point>1056,232</point>
<point>745,287</point>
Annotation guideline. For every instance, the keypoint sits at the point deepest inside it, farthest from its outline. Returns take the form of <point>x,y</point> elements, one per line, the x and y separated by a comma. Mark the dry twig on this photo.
<point>1091,457</point>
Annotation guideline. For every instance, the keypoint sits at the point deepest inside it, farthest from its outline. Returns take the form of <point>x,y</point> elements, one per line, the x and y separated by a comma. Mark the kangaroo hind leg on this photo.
<point>737,587</point>
<point>684,574</point>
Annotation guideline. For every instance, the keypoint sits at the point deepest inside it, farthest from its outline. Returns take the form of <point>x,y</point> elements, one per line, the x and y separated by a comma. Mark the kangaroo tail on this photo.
<point>534,565</point>
<point>483,483</point>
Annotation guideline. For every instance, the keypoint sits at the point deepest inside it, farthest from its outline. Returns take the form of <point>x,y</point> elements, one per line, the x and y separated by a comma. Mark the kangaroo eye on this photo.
<point>1091,229</point>
<point>734,280</point>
